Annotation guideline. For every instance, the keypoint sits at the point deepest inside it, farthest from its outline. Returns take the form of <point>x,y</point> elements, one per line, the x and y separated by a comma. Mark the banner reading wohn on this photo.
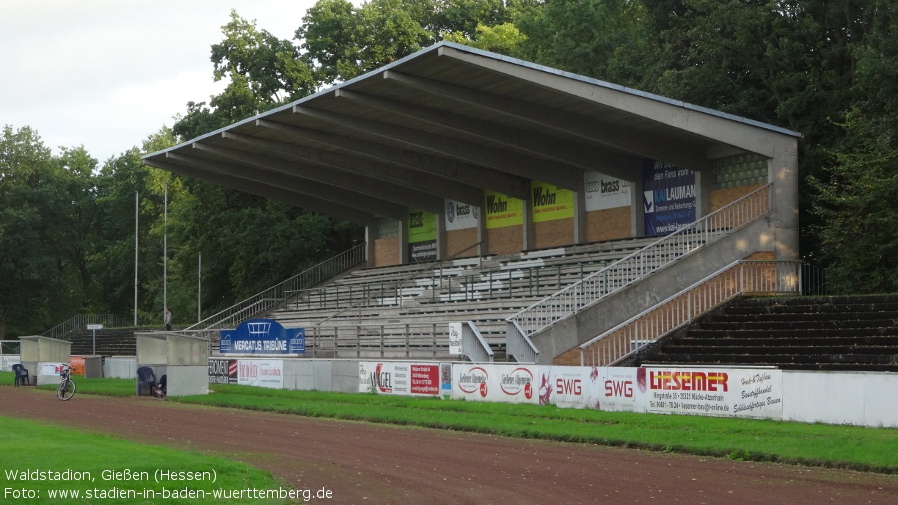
<point>263,336</point>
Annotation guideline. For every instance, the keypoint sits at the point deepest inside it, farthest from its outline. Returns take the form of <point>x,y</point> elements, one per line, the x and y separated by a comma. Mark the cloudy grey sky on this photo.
<point>106,74</point>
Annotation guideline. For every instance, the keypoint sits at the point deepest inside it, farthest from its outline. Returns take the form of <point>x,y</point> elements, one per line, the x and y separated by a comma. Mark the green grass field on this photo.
<point>865,449</point>
<point>102,469</point>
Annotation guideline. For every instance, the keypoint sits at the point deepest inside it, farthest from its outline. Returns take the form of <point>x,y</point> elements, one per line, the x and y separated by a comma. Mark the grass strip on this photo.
<point>104,469</point>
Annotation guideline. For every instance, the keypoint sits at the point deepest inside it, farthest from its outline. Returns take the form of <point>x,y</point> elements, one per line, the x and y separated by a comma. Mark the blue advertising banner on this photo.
<point>263,336</point>
<point>668,196</point>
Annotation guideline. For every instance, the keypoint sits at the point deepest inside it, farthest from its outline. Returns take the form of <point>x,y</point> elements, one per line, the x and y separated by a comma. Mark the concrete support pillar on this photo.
<point>782,171</point>
<point>637,208</point>
<point>580,211</point>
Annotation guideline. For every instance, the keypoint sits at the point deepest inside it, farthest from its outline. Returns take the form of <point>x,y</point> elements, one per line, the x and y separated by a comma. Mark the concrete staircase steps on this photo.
<point>800,333</point>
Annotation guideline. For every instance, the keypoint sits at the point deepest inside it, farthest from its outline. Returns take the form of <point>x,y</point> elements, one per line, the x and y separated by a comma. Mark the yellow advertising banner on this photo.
<point>551,203</point>
<point>502,210</point>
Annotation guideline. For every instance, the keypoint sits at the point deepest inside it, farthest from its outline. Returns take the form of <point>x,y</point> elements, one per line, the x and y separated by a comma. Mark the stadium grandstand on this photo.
<point>539,213</point>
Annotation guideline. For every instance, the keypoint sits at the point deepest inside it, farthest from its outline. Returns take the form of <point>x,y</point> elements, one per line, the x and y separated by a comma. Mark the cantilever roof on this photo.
<point>450,122</point>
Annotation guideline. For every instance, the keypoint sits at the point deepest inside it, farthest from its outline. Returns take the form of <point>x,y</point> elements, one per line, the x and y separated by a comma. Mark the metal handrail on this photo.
<point>80,321</point>
<point>474,346</point>
<point>622,273</point>
<point>737,278</point>
<point>396,285</point>
<point>519,345</point>
<point>276,295</point>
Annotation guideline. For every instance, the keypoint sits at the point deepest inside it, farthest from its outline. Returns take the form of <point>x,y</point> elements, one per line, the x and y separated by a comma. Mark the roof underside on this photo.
<point>451,122</point>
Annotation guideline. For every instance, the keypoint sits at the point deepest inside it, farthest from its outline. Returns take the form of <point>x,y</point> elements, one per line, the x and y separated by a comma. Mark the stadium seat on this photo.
<point>21,375</point>
<point>145,377</point>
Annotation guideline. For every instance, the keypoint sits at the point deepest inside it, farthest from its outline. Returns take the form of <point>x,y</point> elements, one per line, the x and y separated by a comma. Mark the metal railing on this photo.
<point>81,321</point>
<point>495,283</point>
<point>11,347</point>
<point>634,267</point>
<point>519,346</point>
<point>738,278</point>
<point>473,344</point>
<point>397,341</point>
<point>277,295</point>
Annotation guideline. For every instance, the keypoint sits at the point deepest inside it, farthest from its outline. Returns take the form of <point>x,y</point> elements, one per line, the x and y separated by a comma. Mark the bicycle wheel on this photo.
<point>66,390</point>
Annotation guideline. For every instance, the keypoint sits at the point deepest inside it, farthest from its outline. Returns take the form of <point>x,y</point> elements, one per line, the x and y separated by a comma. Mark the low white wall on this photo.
<point>120,367</point>
<point>859,398</point>
<point>856,398</point>
<point>7,361</point>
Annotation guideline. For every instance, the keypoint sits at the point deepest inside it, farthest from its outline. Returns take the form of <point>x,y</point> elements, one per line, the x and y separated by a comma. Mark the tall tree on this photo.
<point>37,283</point>
<point>854,196</point>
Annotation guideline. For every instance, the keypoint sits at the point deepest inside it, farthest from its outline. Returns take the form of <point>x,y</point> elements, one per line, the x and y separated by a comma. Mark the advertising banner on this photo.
<point>461,216</point>
<point>6,362</point>
<point>76,365</point>
<point>621,391</point>
<point>266,373</point>
<point>222,371</point>
<point>723,392</point>
<point>569,387</point>
<point>445,380</point>
<point>603,192</point>
<point>263,336</point>
<point>399,378</point>
<point>501,210</point>
<point>51,368</point>
<point>455,338</point>
<point>668,197</point>
<point>494,383</point>
<point>550,202</point>
<point>422,236</point>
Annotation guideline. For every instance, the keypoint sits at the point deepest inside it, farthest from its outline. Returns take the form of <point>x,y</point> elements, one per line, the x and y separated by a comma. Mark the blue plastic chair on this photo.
<point>145,377</point>
<point>21,375</point>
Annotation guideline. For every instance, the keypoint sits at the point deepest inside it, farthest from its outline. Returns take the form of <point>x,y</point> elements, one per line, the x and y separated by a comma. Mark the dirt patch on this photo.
<point>381,464</point>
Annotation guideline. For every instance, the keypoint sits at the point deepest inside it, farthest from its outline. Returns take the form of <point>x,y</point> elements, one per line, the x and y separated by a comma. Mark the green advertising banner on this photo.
<point>422,235</point>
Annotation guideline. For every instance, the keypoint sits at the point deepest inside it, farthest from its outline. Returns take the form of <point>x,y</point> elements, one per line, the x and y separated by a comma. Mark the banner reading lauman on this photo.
<point>668,197</point>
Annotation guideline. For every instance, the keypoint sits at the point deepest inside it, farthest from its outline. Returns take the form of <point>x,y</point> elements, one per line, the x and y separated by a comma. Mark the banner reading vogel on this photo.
<point>263,336</point>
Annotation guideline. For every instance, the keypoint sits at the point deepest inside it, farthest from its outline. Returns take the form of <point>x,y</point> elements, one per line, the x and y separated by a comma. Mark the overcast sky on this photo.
<point>106,74</point>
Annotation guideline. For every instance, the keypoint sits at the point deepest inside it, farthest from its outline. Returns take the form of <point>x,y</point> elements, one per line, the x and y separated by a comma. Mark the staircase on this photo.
<point>850,333</point>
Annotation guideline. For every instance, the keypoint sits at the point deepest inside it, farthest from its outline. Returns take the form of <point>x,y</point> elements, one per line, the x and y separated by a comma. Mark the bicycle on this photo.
<point>66,388</point>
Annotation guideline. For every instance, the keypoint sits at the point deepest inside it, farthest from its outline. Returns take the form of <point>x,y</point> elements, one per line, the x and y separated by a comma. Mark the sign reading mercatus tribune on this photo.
<point>422,236</point>
<point>668,196</point>
<point>263,336</point>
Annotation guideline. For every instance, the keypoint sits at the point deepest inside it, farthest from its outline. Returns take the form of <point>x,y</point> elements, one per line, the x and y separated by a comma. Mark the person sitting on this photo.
<point>161,389</point>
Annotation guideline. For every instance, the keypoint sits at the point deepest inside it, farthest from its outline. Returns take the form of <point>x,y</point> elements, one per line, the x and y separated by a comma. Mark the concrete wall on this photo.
<point>120,367</point>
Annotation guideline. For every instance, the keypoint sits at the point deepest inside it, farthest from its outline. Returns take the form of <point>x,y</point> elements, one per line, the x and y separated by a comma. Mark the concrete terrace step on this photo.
<point>837,333</point>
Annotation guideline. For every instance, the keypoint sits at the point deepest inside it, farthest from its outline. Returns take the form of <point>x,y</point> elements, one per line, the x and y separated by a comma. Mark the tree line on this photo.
<point>824,68</point>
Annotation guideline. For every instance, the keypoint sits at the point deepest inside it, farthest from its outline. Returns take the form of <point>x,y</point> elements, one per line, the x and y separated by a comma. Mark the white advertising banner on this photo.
<point>266,373</point>
<point>6,362</point>
<point>724,392</point>
<point>51,368</point>
<point>494,383</point>
<point>621,391</point>
<point>569,387</point>
<point>399,378</point>
<point>461,216</point>
<point>603,192</point>
<point>455,339</point>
